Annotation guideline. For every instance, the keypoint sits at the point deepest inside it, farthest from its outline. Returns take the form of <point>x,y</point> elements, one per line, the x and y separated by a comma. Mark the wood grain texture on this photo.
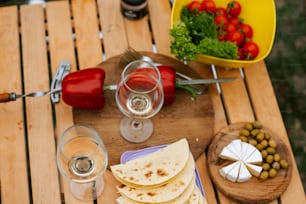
<point>184,118</point>
<point>41,137</point>
<point>267,110</point>
<point>13,170</point>
<point>254,190</point>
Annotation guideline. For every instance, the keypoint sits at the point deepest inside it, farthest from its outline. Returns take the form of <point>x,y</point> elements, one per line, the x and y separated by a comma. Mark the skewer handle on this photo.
<point>6,97</point>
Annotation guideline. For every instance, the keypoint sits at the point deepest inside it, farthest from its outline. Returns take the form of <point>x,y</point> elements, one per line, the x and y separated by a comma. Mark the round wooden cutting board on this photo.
<point>192,119</point>
<point>254,190</point>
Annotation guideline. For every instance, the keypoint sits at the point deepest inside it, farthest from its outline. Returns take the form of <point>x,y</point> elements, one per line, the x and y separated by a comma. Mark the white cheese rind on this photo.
<point>236,144</point>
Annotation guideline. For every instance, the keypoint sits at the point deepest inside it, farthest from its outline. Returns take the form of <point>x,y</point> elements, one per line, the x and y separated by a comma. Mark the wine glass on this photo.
<point>139,96</point>
<point>82,159</point>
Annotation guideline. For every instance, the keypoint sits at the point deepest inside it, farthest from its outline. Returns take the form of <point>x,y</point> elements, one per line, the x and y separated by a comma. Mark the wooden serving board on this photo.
<point>254,190</point>
<point>184,118</point>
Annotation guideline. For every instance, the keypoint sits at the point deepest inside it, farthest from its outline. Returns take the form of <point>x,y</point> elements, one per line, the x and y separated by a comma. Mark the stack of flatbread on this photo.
<point>164,176</point>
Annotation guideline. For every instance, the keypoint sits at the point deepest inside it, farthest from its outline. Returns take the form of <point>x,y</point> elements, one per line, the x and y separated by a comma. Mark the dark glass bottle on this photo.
<point>134,9</point>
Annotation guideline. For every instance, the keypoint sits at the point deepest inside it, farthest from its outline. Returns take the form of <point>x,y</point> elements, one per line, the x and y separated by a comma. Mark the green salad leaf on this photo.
<point>196,33</point>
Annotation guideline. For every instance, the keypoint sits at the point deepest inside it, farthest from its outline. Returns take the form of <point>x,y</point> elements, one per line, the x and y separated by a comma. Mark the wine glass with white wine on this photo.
<point>139,96</point>
<point>82,159</point>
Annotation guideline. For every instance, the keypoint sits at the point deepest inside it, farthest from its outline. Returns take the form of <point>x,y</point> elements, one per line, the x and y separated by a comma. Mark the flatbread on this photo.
<point>166,192</point>
<point>154,169</point>
<point>183,198</point>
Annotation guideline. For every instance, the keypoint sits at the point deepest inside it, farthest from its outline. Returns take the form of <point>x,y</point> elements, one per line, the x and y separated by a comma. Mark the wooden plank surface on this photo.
<point>86,26</point>
<point>113,28</point>
<point>41,137</point>
<point>265,104</point>
<point>61,47</point>
<point>13,170</point>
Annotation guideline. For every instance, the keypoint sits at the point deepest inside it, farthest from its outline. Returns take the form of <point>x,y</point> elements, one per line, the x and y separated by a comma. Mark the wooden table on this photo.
<point>33,41</point>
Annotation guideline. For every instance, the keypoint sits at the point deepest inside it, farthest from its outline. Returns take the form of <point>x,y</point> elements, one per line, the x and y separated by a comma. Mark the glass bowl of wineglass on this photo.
<point>139,96</point>
<point>82,159</point>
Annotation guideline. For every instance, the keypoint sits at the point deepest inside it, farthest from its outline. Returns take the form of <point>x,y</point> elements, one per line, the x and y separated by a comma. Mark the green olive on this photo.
<point>253,142</point>
<point>284,164</point>
<point>266,166</point>
<point>244,132</point>
<point>276,165</point>
<point>259,147</point>
<point>243,138</point>
<point>272,173</point>
<point>276,157</point>
<point>257,124</point>
<point>260,136</point>
<point>272,143</point>
<point>264,175</point>
<point>248,126</point>
<point>267,136</point>
<point>271,150</point>
<point>264,143</point>
<point>269,159</point>
<point>254,132</point>
<point>264,153</point>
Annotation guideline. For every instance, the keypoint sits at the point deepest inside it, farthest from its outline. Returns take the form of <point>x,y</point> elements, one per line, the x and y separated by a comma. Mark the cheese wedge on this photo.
<point>244,175</point>
<point>254,158</point>
<point>255,170</point>
<point>231,171</point>
<point>227,154</point>
<point>236,144</point>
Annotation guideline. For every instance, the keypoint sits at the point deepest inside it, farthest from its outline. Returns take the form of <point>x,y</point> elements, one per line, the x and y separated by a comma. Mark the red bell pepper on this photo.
<point>168,79</point>
<point>84,89</point>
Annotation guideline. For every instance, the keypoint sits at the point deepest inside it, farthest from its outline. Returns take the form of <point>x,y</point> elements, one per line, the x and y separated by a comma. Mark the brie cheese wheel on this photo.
<point>245,157</point>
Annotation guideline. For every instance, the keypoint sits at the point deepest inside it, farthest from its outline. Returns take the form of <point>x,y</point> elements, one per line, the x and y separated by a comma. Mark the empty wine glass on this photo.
<point>82,159</point>
<point>139,96</point>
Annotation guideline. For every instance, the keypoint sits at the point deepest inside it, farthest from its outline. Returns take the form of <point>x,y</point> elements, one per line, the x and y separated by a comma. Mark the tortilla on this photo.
<point>183,198</point>
<point>166,192</point>
<point>153,169</point>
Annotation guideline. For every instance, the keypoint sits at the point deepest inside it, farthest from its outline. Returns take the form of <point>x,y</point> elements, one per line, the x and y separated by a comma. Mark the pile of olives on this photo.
<point>272,162</point>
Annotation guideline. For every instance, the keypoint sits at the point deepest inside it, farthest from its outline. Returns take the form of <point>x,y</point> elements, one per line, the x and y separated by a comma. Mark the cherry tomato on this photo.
<point>220,20</point>
<point>250,50</point>
<point>229,27</point>
<point>208,5</point>
<point>220,11</point>
<point>194,6</point>
<point>222,36</point>
<point>240,54</point>
<point>247,30</point>
<point>233,8</point>
<point>236,37</point>
<point>235,20</point>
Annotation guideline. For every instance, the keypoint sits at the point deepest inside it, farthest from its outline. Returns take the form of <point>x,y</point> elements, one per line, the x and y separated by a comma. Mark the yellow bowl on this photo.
<point>260,14</point>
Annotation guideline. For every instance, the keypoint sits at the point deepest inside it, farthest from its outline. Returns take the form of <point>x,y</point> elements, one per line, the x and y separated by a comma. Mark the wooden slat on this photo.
<point>89,48</point>
<point>44,175</point>
<point>61,47</point>
<point>113,29</point>
<point>13,170</point>
<point>138,34</point>
<point>267,111</point>
<point>160,12</point>
<point>220,122</point>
